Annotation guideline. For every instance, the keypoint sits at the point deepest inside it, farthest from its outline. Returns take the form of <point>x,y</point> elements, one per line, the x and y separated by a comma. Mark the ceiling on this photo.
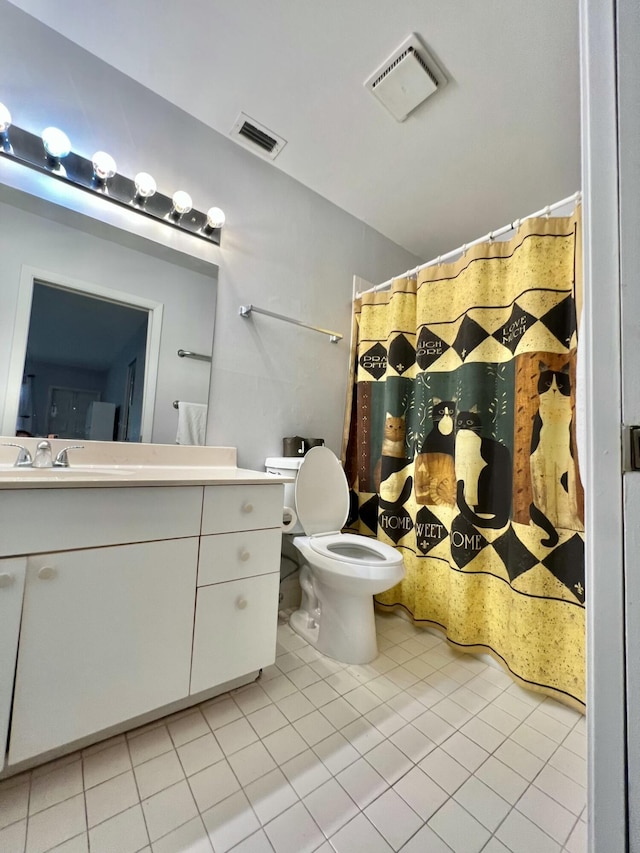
<point>500,140</point>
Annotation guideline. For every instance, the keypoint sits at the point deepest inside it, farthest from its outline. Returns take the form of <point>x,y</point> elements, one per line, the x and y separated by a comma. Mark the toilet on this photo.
<point>342,571</point>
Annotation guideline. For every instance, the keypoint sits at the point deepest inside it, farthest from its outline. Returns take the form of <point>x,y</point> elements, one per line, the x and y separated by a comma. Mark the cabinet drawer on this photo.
<point>229,508</point>
<point>235,630</point>
<point>229,556</point>
<point>36,520</point>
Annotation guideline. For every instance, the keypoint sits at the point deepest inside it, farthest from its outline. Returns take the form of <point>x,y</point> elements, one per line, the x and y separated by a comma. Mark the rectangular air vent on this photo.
<point>408,77</point>
<point>257,137</point>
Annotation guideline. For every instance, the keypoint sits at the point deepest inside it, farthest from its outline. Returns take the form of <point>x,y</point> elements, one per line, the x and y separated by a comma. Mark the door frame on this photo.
<point>30,275</point>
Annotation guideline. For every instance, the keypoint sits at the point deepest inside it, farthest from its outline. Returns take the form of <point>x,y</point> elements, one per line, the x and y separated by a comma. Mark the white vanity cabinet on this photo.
<point>119,604</point>
<point>12,573</point>
<point>106,636</point>
<point>238,583</point>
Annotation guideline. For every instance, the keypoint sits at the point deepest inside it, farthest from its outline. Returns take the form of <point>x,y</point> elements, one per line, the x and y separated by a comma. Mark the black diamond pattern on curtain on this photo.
<point>470,335</point>
<point>369,514</point>
<point>517,558</point>
<point>402,355</point>
<point>466,541</point>
<point>374,361</point>
<point>566,563</point>
<point>430,531</point>
<point>430,348</point>
<point>511,333</point>
<point>561,320</point>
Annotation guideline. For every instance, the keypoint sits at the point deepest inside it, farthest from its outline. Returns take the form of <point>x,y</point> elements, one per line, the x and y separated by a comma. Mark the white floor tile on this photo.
<point>426,841</point>
<point>197,754</point>
<point>213,784</point>
<point>393,818</point>
<point>577,841</point>
<point>53,826</point>
<point>562,789</point>
<point>168,810</point>
<point>363,699</point>
<point>360,836</point>
<point>483,734</point>
<point>390,762</point>
<point>270,795</point>
<point>284,744</point>
<point>451,712</point>
<point>250,763</point>
<point>520,835</point>
<point>320,694</point>
<point>14,803</point>
<point>230,822</point>
<point>465,751</point>
<point>434,727</point>
<point>547,725</point>
<point>304,676</point>
<point>386,720</point>
<point>252,698</point>
<point>343,682</point>
<point>444,770</point>
<point>534,741</point>
<point>220,713</point>
<point>12,837</point>
<point>126,833</point>
<point>362,735</point>
<point>499,719</point>
<point>570,764</point>
<point>502,779</point>
<point>412,742</point>
<point>483,803</point>
<point>383,688</point>
<point>150,744</point>
<point>55,787</point>
<point>546,813</point>
<point>459,829</point>
<point>111,797</point>
<point>267,720</point>
<point>235,736</point>
<point>103,765</point>
<point>362,782</point>
<point>191,837</point>
<point>331,807</point>
<point>295,706</point>
<point>314,727</point>
<point>305,772</point>
<point>256,843</point>
<point>339,713</point>
<point>406,705</point>
<point>421,793</point>
<point>519,759</point>
<point>158,773</point>
<point>336,752</point>
<point>78,844</point>
<point>294,831</point>
<point>188,728</point>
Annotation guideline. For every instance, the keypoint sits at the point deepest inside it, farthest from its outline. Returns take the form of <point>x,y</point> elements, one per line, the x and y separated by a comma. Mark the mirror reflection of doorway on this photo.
<point>83,354</point>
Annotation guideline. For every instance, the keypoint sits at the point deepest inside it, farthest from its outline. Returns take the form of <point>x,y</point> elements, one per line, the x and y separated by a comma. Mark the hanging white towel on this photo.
<point>192,423</point>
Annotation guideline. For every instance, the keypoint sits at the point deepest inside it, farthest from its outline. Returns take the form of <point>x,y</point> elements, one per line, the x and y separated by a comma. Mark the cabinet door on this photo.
<point>235,631</point>
<point>12,574</point>
<point>106,636</point>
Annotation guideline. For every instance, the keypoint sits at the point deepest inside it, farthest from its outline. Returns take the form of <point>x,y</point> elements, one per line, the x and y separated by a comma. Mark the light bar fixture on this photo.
<point>99,175</point>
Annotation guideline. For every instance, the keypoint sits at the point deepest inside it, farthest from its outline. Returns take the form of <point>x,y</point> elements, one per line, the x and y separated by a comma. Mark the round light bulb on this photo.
<point>145,185</point>
<point>215,217</point>
<point>104,166</point>
<point>5,119</point>
<point>56,142</point>
<point>182,202</point>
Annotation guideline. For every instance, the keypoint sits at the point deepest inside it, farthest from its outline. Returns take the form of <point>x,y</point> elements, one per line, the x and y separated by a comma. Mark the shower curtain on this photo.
<point>460,450</point>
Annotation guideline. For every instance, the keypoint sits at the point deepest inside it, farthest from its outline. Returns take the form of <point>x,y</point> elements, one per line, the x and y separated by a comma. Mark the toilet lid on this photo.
<point>322,494</point>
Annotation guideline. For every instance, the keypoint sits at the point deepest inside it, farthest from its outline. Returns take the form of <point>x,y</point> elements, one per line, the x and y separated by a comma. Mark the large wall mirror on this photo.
<point>90,329</point>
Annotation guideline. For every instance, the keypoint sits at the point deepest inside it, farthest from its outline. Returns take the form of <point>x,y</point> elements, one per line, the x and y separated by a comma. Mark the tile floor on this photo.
<point>423,751</point>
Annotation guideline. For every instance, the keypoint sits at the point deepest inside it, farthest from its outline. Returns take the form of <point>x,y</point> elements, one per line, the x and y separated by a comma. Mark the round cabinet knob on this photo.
<point>247,507</point>
<point>244,555</point>
<point>46,573</point>
<point>6,579</point>
<point>241,602</point>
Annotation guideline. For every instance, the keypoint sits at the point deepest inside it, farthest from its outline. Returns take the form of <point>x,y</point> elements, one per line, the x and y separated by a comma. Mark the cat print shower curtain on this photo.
<point>461,450</point>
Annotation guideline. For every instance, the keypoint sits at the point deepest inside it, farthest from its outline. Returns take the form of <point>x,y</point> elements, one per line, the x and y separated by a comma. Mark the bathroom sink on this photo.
<point>83,472</point>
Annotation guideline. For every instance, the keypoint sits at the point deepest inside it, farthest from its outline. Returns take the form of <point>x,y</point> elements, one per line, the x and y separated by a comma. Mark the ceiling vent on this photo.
<point>257,137</point>
<point>408,77</point>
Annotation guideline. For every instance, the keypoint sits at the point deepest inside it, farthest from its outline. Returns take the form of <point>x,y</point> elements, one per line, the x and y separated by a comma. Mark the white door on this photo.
<point>106,636</point>
<point>12,572</point>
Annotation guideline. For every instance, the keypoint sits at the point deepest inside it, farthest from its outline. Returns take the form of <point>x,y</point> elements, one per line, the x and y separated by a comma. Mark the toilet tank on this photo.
<point>287,466</point>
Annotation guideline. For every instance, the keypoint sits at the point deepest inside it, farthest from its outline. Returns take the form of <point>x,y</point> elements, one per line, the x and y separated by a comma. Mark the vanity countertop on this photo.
<point>112,464</point>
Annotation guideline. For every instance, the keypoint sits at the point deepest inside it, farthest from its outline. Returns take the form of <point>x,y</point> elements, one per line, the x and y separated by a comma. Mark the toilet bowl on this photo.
<point>342,570</point>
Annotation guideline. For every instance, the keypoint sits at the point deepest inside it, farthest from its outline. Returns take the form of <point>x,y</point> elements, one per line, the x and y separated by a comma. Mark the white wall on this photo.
<point>284,247</point>
<point>67,253</point>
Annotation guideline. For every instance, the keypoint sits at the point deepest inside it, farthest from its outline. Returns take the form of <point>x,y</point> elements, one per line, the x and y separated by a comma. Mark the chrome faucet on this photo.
<point>43,457</point>
<point>62,459</point>
<point>24,459</point>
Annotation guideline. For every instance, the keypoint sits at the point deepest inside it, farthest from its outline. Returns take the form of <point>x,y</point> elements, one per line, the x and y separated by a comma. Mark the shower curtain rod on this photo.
<point>461,250</point>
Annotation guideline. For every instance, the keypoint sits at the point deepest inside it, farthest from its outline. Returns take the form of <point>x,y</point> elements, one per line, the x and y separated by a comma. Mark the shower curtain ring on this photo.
<point>515,224</point>
<point>547,211</point>
<point>464,249</point>
<point>439,258</point>
<point>491,237</point>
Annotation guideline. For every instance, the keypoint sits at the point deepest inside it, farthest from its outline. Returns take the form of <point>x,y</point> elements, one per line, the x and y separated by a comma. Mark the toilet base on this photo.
<point>346,629</point>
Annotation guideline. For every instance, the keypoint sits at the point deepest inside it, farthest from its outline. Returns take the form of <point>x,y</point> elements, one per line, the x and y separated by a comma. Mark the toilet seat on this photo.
<point>354,549</point>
